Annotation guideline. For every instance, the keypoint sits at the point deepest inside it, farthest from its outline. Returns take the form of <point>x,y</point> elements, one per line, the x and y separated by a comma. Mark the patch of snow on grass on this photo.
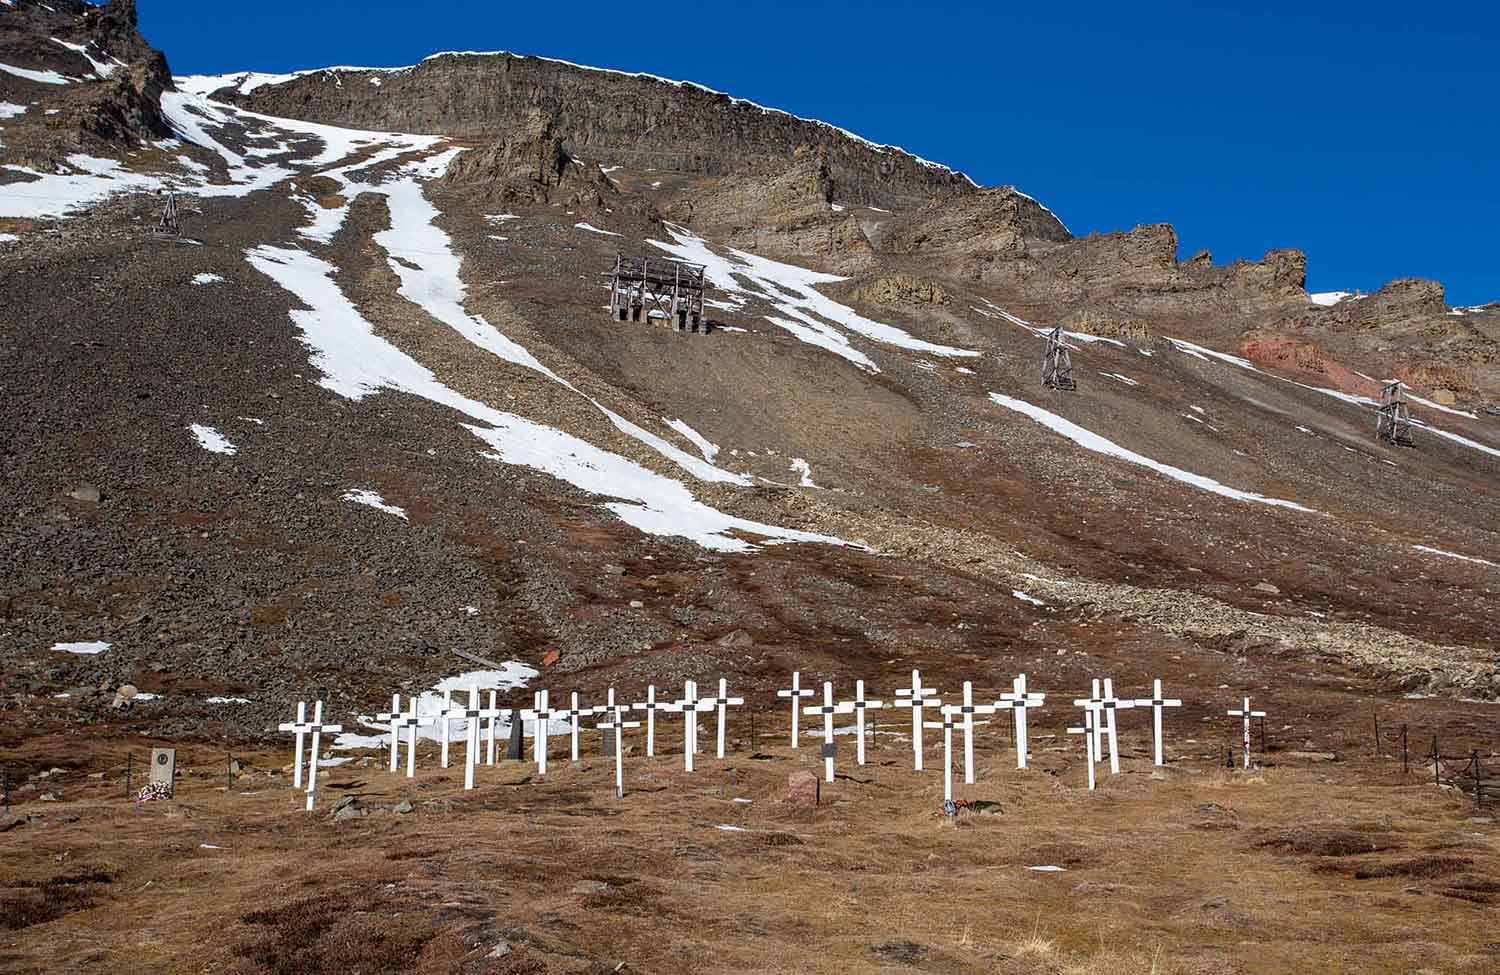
<point>964,370</point>
<point>212,440</point>
<point>373,499</point>
<point>1092,441</point>
<point>226,700</point>
<point>11,109</point>
<point>206,278</point>
<point>1120,377</point>
<point>87,648</point>
<point>1027,597</point>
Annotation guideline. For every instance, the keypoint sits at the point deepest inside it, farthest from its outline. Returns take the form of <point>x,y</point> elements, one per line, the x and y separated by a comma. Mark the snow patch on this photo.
<point>1453,555</point>
<point>41,77</point>
<point>11,109</point>
<point>212,440</point>
<point>373,499</point>
<point>595,230</point>
<point>1092,441</point>
<point>88,648</point>
<point>206,278</point>
<point>800,466</point>
<point>709,450</point>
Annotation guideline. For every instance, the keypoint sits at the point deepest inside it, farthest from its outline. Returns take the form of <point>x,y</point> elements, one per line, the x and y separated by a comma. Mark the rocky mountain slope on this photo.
<point>371,408</point>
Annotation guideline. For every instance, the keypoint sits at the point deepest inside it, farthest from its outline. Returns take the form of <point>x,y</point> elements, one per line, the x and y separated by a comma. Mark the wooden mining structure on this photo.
<point>1057,365</point>
<point>1393,425</point>
<point>643,288</point>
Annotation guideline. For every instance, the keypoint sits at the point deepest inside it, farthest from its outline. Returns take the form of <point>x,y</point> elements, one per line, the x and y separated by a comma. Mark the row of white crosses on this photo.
<point>917,698</point>
<point>539,716</point>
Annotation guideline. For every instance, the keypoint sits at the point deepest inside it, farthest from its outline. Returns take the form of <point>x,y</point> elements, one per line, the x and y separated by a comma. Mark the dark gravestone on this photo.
<point>608,749</point>
<point>830,749</point>
<point>516,734</point>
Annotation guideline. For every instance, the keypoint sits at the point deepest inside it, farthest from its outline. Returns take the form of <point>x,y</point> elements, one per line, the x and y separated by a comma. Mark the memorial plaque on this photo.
<point>164,768</point>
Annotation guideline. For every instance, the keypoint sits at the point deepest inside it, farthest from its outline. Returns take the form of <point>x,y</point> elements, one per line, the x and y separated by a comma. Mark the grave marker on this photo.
<point>1019,700</point>
<point>411,721</point>
<point>916,700</point>
<point>540,715</point>
<point>794,692</point>
<point>1245,713</point>
<point>443,719</point>
<point>317,727</point>
<point>299,728</point>
<point>1106,705</point>
<point>516,748</point>
<point>828,709</point>
<point>492,718</point>
<point>1156,703</point>
<point>968,709</point>
<point>606,740</point>
<point>393,717</point>
<point>651,705</point>
<point>572,715</point>
<point>1087,731</point>
<point>164,768</point>
<point>471,714</point>
<point>722,703</point>
<point>948,711</point>
<point>690,705</point>
<point>860,706</point>
<point>613,727</point>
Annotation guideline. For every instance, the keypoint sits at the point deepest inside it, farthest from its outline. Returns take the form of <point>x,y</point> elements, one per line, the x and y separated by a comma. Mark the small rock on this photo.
<point>499,951</point>
<point>403,807</point>
<point>610,569</point>
<point>586,887</point>
<point>1444,397</point>
<point>551,657</point>
<point>637,604</point>
<point>347,810</point>
<point>736,639</point>
<point>85,492</point>
<point>50,797</point>
<point>67,819</point>
<point>344,803</point>
<point>803,788</point>
<point>1266,587</point>
<point>96,775</point>
<point>124,696</point>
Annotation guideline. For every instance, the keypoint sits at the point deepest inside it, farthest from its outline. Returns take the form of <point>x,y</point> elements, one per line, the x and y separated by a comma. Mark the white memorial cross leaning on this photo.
<point>615,725</point>
<point>949,712</point>
<point>828,709</point>
<point>916,698</point>
<point>1106,705</point>
<point>690,705</point>
<point>1087,731</point>
<point>722,703</point>
<point>1246,714</point>
<point>968,709</point>
<point>651,705</point>
<point>572,714</point>
<point>1019,700</point>
<point>299,727</point>
<point>794,692</point>
<point>1156,702</point>
<point>860,705</point>
<point>393,718</point>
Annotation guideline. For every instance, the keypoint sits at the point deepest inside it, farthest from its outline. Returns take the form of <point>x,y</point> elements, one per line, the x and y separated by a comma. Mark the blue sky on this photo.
<point>1364,133</point>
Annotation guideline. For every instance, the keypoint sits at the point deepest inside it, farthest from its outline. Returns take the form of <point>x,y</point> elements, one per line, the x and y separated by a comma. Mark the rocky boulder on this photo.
<point>531,166</point>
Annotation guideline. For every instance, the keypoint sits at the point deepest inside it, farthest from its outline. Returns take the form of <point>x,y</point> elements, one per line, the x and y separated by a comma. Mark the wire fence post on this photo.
<point>1437,760</point>
<point>128,757</point>
<point>228,771</point>
<point>1405,758</point>
<point>1478,785</point>
<point>1378,751</point>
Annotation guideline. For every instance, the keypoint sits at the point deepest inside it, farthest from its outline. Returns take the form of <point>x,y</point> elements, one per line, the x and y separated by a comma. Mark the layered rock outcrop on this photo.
<point>609,117</point>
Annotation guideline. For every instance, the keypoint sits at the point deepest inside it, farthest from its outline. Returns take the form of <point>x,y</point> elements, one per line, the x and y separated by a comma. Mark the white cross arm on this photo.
<point>842,707</point>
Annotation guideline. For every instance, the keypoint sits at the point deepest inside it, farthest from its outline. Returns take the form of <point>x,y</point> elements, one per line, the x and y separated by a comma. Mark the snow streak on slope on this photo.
<point>1453,555</point>
<point>1092,441</point>
<point>709,450</point>
<point>42,77</point>
<point>356,362</point>
<point>791,291</point>
<point>373,499</point>
<point>212,440</point>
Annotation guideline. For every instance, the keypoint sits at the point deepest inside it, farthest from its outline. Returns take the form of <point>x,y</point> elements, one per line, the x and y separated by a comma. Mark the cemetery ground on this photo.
<point>1302,864</point>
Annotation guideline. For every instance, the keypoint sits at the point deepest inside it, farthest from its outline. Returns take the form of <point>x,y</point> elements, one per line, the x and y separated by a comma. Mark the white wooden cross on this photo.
<point>1245,713</point>
<point>615,725</point>
<point>690,705</point>
<point>651,705</point>
<point>393,717</point>
<point>861,705</point>
<point>471,716</point>
<point>540,715</point>
<point>300,728</point>
<point>968,709</point>
<point>828,709</point>
<point>794,692</point>
<point>916,698</point>
<point>1156,702</point>
<point>949,712</point>
<point>1019,700</point>
<point>722,703</point>
<point>1106,704</point>
<point>1087,731</point>
<point>492,718</point>
<point>411,721</point>
<point>317,727</point>
<point>445,715</point>
<point>572,715</point>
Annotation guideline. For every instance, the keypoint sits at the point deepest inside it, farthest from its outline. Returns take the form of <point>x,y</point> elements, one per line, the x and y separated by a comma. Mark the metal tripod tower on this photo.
<point>168,226</point>
<point>1394,423</point>
<point>1057,365</point>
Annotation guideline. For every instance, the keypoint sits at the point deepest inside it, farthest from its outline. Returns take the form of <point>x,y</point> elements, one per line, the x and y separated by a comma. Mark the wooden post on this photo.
<point>228,772</point>
<point>1437,772</point>
<point>1378,752</point>
<point>128,757</point>
<point>1405,762</point>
